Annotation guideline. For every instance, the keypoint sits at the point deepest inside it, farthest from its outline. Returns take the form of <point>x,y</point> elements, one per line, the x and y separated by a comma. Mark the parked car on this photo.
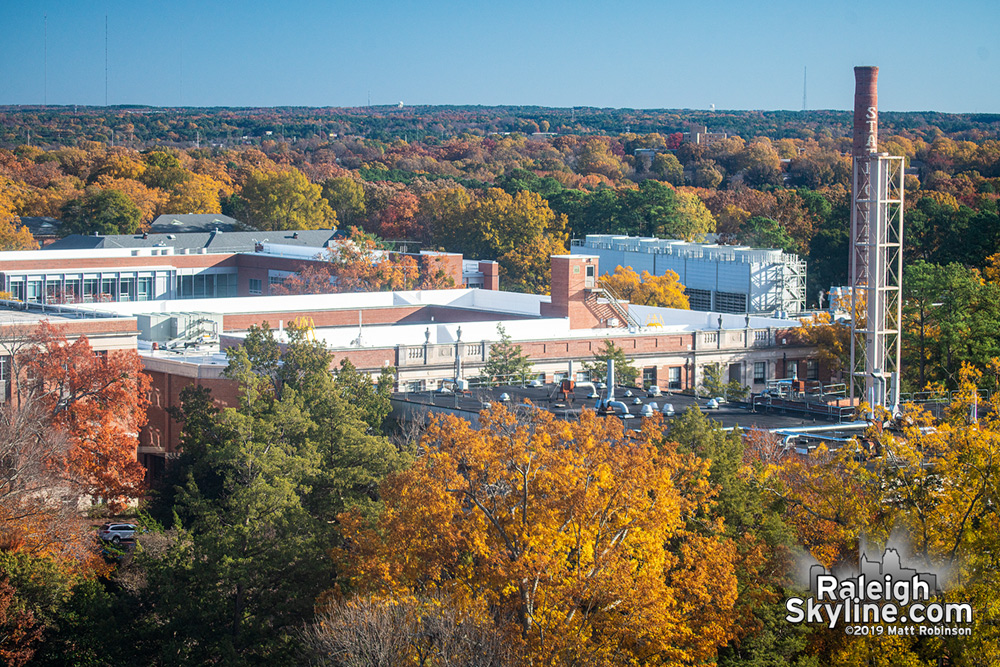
<point>116,532</point>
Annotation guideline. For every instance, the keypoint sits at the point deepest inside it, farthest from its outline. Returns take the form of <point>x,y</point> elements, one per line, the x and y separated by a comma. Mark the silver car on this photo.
<point>116,532</point>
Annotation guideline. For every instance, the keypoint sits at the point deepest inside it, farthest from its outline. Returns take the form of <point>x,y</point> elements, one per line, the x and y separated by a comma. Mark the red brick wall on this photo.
<point>491,275</point>
<point>449,263</point>
<point>161,431</point>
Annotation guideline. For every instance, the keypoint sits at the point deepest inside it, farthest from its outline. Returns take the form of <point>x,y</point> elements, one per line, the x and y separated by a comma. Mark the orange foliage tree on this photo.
<point>649,290</point>
<point>360,265</point>
<point>99,400</point>
<point>587,545</point>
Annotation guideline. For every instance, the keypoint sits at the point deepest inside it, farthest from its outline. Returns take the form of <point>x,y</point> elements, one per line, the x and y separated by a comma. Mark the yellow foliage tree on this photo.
<point>13,235</point>
<point>587,545</point>
<point>664,291</point>
<point>831,339</point>
<point>198,194</point>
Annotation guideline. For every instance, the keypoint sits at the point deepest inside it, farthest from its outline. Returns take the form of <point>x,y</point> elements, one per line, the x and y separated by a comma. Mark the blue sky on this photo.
<point>665,54</point>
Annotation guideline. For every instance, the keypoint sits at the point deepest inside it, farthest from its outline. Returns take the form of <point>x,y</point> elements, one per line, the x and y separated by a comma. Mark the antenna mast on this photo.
<point>105,60</point>
<point>805,70</point>
<point>45,62</point>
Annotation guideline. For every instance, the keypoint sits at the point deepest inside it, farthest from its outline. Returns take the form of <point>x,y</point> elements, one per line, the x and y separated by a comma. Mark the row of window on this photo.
<point>207,285</point>
<point>86,290</point>
<point>89,289</point>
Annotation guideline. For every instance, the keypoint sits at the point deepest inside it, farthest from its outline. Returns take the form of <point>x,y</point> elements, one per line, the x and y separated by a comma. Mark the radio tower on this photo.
<point>876,254</point>
<point>805,71</point>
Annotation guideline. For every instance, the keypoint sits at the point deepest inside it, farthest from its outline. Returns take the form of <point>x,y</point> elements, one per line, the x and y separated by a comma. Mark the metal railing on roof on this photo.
<point>67,311</point>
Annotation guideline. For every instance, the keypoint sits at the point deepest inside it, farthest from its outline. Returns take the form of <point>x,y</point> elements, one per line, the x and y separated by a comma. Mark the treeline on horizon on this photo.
<point>53,126</point>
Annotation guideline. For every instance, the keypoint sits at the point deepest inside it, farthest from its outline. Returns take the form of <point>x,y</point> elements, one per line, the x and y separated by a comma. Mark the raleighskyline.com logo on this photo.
<point>883,598</point>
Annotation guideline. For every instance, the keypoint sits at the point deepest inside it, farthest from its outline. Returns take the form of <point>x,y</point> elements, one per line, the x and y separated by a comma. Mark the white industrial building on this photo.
<point>719,278</point>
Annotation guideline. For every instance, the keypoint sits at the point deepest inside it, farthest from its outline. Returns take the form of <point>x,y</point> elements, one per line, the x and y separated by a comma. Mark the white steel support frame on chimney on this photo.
<point>876,278</point>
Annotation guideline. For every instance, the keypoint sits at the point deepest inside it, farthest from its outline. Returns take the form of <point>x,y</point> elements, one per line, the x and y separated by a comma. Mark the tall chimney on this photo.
<point>865,111</point>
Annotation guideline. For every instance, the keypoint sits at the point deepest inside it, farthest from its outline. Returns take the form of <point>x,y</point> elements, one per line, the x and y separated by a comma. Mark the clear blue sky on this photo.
<point>641,54</point>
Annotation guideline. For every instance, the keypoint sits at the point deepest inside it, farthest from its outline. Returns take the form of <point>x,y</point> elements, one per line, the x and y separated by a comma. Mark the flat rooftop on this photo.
<point>520,314</point>
<point>547,397</point>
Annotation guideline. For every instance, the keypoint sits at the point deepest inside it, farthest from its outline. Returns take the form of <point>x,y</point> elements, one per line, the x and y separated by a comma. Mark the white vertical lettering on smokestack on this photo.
<point>865,110</point>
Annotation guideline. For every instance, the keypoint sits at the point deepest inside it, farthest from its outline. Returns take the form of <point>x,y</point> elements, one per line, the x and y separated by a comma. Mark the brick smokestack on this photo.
<point>865,111</point>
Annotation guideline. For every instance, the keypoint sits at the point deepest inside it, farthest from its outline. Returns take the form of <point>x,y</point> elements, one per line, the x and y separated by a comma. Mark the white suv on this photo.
<point>116,532</point>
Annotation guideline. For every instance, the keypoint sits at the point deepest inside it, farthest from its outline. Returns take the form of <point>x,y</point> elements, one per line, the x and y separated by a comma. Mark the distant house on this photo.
<point>172,223</point>
<point>44,230</point>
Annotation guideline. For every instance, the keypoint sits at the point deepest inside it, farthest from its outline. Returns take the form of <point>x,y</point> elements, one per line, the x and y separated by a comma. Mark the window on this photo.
<point>257,287</point>
<point>127,289</point>
<point>674,377</point>
<point>91,288</point>
<point>34,291</point>
<point>648,377</point>
<point>144,289</point>
<point>17,290</point>
<point>582,376</point>
<point>109,289</point>
<point>812,369</point>
<point>759,372</point>
<point>71,290</point>
<point>53,290</point>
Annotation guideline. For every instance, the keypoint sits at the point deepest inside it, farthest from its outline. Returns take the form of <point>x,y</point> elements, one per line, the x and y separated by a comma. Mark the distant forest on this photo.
<point>140,126</point>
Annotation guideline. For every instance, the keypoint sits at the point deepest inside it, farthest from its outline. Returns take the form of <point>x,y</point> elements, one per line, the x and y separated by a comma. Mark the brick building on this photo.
<point>433,337</point>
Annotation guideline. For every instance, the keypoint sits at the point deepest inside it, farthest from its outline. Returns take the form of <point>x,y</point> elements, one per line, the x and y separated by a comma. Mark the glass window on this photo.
<point>4,369</point>
<point>812,369</point>
<point>91,288</point>
<point>17,290</point>
<point>53,290</point>
<point>109,289</point>
<point>71,290</point>
<point>256,286</point>
<point>648,376</point>
<point>126,287</point>
<point>760,371</point>
<point>144,289</point>
<point>34,291</point>
<point>674,376</point>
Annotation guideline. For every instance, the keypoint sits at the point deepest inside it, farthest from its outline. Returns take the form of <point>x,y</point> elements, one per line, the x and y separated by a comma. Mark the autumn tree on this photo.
<point>831,339</point>
<point>347,199</point>
<point>100,401</point>
<point>375,632</point>
<point>664,291</point>
<point>281,200</point>
<point>582,544</point>
<point>13,235</point>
